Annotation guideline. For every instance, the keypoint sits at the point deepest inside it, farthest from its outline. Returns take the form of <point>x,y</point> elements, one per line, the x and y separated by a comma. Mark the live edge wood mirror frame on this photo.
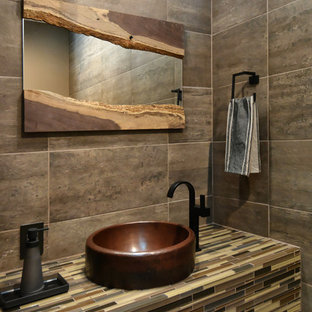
<point>45,111</point>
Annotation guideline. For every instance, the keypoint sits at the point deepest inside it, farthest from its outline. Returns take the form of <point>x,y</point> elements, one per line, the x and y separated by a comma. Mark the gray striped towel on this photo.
<point>242,154</point>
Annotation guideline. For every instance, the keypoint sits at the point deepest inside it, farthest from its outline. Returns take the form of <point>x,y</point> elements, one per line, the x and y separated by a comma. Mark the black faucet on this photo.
<point>194,211</point>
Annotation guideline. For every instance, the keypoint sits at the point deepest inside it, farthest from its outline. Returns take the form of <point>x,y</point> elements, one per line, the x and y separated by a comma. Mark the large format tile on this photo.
<point>294,227</point>
<point>221,98</point>
<point>291,175</point>
<point>194,14</point>
<point>9,250</point>
<point>11,38</point>
<point>243,47</point>
<point>192,163</point>
<point>291,105</point>
<point>78,230</point>
<point>179,211</point>
<point>306,297</point>
<point>197,60</point>
<point>151,8</point>
<point>290,37</point>
<point>274,4</point>
<point>153,81</point>
<point>107,139</point>
<point>89,66</point>
<point>11,138</point>
<point>227,13</point>
<point>91,182</point>
<point>197,104</point>
<point>246,216</point>
<point>253,188</point>
<point>23,189</point>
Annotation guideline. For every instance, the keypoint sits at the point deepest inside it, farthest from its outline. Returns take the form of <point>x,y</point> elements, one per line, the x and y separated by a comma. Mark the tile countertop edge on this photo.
<point>234,268</point>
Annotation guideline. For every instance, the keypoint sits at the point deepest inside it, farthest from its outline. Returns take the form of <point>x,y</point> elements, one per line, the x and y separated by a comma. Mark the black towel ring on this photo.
<point>253,80</point>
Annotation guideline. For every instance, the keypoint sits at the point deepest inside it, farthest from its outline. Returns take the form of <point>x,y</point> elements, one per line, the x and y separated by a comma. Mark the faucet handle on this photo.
<point>202,201</point>
<point>203,210</point>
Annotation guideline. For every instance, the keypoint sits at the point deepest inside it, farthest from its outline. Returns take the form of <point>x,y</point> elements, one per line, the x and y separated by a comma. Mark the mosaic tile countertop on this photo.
<point>235,271</point>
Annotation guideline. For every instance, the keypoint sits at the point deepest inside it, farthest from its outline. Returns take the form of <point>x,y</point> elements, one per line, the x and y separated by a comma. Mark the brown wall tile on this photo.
<point>221,98</point>
<point>240,48</point>
<point>291,175</point>
<point>253,188</point>
<point>11,139</point>
<point>197,103</point>
<point>247,216</point>
<point>23,189</point>
<point>192,163</point>
<point>227,13</point>
<point>197,60</point>
<point>9,250</point>
<point>179,211</point>
<point>154,81</point>
<point>151,8</point>
<point>294,227</point>
<point>107,139</point>
<point>274,4</point>
<point>290,37</point>
<point>194,14</point>
<point>306,297</point>
<point>86,183</point>
<point>11,38</point>
<point>290,105</point>
<point>78,230</point>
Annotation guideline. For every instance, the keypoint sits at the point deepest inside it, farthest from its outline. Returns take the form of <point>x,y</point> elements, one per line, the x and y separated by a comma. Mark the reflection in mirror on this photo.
<point>86,68</point>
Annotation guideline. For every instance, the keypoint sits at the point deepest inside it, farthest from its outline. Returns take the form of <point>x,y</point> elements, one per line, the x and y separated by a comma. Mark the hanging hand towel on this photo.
<point>242,154</point>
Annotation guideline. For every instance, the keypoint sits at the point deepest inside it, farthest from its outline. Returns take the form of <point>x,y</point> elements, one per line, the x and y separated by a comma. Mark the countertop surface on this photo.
<point>234,268</point>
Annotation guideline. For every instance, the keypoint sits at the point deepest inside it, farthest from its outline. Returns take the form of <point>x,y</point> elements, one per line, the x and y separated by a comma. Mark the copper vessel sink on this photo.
<point>140,255</point>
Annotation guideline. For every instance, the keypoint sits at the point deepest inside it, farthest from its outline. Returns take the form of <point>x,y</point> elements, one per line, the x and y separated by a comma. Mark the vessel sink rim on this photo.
<point>91,244</point>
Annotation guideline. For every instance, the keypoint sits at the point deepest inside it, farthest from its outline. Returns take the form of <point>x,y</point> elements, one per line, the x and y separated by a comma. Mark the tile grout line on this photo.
<point>239,24</point>
<point>290,71</point>
<point>238,83</point>
<point>292,209</point>
<point>108,213</point>
<point>241,200</point>
<point>269,76</point>
<point>252,18</point>
<point>118,211</point>
<point>11,77</point>
<point>197,32</point>
<point>211,153</point>
<point>22,153</point>
<point>287,4</point>
<point>191,87</point>
<point>104,148</point>
<point>273,141</point>
<point>168,180</point>
<point>49,209</point>
<point>268,123</point>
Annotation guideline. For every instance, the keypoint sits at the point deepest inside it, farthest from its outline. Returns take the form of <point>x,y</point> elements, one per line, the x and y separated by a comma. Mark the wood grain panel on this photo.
<point>129,31</point>
<point>45,111</point>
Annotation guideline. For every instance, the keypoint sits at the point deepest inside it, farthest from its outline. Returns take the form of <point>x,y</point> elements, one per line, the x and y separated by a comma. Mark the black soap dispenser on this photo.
<point>33,286</point>
<point>32,279</point>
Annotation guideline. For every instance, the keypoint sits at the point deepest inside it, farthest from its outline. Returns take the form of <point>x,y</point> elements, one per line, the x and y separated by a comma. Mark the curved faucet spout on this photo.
<point>193,218</point>
<point>190,188</point>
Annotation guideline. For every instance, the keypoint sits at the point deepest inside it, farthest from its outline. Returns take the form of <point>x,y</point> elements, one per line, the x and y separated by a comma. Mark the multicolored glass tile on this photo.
<point>234,271</point>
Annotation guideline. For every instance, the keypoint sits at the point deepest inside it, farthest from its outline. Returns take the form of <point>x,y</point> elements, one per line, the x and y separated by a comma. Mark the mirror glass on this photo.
<point>90,69</point>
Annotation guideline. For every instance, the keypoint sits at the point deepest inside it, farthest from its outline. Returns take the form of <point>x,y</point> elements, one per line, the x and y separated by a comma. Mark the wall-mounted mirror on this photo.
<point>78,82</point>
<point>87,68</point>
